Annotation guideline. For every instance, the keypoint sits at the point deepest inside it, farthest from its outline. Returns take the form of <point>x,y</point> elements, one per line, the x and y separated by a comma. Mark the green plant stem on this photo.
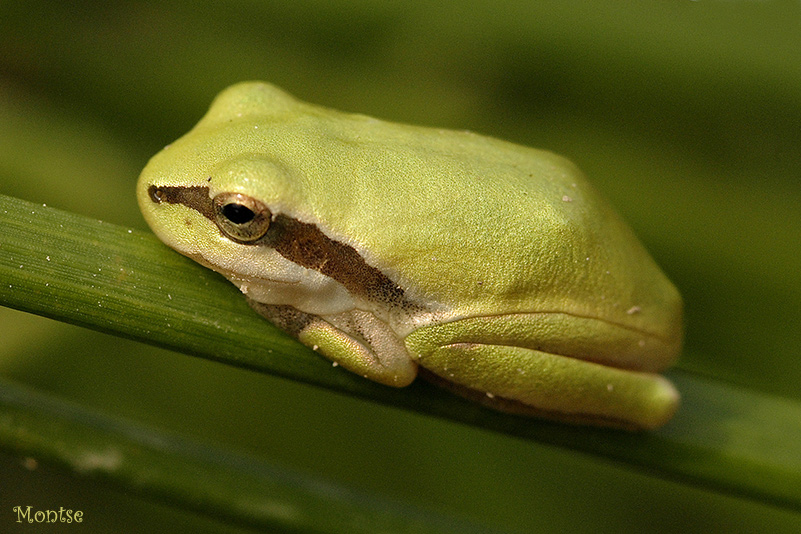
<point>212,481</point>
<point>125,282</point>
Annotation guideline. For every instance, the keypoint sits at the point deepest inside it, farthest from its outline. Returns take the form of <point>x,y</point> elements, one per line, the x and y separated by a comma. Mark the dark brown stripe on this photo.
<point>303,244</point>
<point>306,245</point>
<point>195,197</point>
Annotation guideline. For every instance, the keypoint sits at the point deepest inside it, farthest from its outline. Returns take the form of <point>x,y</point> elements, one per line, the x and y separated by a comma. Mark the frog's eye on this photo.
<point>240,217</point>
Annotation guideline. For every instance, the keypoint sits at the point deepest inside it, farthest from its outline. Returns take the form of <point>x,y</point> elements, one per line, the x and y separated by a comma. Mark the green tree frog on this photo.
<point>492,269</point>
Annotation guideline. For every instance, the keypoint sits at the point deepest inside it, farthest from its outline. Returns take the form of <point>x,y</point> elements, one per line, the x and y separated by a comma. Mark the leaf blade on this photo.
<point>125,282</point>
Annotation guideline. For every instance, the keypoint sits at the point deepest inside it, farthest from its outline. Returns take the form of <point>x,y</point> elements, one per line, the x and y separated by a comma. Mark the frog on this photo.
<point>491,269</point>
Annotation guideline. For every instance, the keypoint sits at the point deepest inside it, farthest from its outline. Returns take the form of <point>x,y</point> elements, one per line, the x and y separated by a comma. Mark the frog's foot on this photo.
<point>356,340</point>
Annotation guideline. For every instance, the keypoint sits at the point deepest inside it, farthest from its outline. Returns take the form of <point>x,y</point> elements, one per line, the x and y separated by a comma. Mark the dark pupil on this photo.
<point>238,214</point>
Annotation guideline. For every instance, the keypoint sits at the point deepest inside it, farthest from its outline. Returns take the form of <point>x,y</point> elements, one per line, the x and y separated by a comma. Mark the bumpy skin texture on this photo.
<point>495,267</point>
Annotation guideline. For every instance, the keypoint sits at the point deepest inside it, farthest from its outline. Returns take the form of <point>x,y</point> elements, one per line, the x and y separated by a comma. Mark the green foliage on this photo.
<point>124,282</point>
<point>684,114</point>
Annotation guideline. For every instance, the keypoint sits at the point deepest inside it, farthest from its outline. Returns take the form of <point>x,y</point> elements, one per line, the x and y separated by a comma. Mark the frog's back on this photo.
<point>475,224</point>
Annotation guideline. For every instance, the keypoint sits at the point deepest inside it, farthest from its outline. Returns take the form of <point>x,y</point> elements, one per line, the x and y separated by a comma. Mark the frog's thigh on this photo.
<point>356,340</point>
<point>529,381</point>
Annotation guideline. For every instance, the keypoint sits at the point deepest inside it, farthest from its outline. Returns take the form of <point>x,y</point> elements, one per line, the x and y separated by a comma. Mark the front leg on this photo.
<point>355,339</point>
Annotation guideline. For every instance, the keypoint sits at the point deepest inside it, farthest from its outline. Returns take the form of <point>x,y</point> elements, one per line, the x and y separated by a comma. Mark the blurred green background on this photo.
<point>687,115</point>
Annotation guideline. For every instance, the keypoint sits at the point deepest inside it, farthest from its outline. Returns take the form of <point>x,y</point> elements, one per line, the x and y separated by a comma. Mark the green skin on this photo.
<point>495,269</point>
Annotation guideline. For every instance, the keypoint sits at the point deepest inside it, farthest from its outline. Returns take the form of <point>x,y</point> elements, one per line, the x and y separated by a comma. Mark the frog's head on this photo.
<point>222,196</point>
